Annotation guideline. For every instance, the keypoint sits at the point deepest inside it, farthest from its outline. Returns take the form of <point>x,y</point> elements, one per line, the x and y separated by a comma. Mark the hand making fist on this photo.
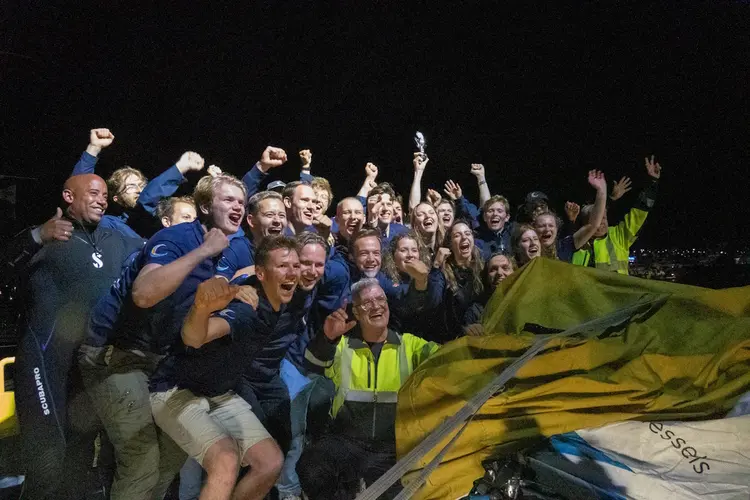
<point>214,294</point>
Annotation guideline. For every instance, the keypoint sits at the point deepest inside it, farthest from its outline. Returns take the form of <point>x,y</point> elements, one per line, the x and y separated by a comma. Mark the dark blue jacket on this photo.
<point>445,310</point>
<point>138,222</point>
<point>487,241</point>
<point>334,288</point>
<point>118,321</point>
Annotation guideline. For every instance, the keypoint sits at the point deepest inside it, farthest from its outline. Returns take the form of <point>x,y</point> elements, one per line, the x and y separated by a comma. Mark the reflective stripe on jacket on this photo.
<point>611,252</point>
<point>366,390</point>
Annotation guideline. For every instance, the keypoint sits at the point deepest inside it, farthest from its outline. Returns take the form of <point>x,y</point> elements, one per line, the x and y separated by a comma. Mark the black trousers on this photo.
<point>332,467</point>
<point>58,424</point>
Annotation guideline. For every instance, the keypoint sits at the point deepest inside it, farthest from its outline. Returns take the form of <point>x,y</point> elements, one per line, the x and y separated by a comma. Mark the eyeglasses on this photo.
<point>132,188</point>
<point>369,305</point>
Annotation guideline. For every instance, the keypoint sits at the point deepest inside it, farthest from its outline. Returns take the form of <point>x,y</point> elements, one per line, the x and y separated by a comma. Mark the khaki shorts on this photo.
<point>197,422</point>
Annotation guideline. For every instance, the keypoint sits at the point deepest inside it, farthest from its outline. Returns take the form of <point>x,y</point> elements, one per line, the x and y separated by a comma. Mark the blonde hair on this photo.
<point>322,184</point>
<point>206,188</point>
<point>116,181</point>
<point>551,251</point>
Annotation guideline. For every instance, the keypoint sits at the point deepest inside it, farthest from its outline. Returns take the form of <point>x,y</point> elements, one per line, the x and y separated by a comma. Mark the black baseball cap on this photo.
<point>536,197</point>
<point>277,186</point>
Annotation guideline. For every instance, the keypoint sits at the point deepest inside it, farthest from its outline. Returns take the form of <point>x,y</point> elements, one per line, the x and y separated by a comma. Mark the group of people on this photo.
<point>247,340</point>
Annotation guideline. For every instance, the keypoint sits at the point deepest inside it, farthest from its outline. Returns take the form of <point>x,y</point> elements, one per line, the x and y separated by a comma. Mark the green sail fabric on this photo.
<point>687,359</point>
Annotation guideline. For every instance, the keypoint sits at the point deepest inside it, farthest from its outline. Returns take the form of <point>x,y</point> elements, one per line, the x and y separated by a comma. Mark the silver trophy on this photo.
<point>420,142</point>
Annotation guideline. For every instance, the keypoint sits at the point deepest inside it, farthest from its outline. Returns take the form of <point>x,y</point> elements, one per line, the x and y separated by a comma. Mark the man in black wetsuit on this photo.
<point>63,280</point>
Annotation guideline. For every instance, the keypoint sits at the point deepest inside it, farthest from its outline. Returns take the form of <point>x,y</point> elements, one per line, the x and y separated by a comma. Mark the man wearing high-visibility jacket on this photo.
<point>367,367</point>
<point>609,249</point>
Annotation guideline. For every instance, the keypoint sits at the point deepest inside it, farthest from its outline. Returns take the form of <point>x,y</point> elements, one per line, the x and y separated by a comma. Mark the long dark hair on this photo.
<point>515,242</point>
<point>476,263</point>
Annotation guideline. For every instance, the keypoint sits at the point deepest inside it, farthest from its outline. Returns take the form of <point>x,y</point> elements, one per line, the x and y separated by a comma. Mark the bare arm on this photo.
<point>199,327</point>
<point>586,232</point>
<point>155,282</point>
<point>477,171</point>
<point>371,173</point>
<point>415,194</point>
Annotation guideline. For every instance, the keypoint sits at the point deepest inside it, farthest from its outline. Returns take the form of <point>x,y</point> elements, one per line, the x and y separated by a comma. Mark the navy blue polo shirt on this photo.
<point>239,254</point>
<point>566,247</point>
<point>215,368</point>
<point>118,321</point>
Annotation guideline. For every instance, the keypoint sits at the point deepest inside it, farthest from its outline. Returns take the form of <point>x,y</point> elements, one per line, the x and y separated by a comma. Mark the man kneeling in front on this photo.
<point>368,368</point>
<point>201,412</point>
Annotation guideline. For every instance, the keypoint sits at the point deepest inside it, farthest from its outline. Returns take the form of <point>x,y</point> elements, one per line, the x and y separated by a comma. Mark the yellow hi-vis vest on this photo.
<point>611,252</point>
<point>369,390</point>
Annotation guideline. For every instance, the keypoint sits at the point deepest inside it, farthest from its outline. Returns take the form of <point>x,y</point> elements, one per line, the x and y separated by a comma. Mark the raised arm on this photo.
<point>586,232</point>
<point>477,170</point>
<point>99,138</point>
<point>271,158</point>
<point>636,217</point>
<point>371,175</point>
<point>166,270</point>
<point>165,184</point>
<point>305,173</point>
<point>199,327</point>
<point>415,194</point>
<point>620,187</point>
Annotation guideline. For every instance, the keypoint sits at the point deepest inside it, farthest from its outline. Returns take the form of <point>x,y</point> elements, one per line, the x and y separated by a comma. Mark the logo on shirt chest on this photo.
<point>97,258</point>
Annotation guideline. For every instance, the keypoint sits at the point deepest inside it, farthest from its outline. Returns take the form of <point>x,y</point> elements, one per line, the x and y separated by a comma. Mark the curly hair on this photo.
<point>389,262</point>
<point>322,184</point>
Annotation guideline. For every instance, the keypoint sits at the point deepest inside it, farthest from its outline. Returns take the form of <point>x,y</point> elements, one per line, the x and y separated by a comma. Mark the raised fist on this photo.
<point>101,137</point>
<point>371,171</point>
<point>190,161</point>
<point>214,294</point>
<point>272,157</point>
<point>306,156</point>
<point>477,170</point>
<point>213,171</point>
<point>214,242</point>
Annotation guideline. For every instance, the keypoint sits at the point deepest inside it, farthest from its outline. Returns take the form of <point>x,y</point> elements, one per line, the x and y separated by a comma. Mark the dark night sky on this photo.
<point>538,92</point>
